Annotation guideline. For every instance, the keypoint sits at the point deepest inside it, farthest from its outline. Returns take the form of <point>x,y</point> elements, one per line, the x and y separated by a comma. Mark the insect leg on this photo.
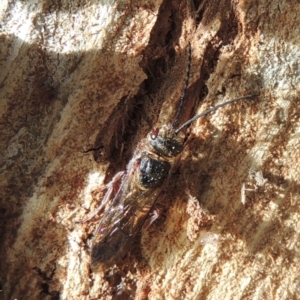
<point>153,215</point>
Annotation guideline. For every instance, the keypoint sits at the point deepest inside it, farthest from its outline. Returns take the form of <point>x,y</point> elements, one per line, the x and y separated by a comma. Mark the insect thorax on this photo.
<point>155,164</point>
<point>152,171</point>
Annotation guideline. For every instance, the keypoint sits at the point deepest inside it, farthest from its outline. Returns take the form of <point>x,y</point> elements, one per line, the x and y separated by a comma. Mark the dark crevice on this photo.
<point>54,295</point>
<point>45,290</point>
<point>199,7</point>
<point>133,117</point>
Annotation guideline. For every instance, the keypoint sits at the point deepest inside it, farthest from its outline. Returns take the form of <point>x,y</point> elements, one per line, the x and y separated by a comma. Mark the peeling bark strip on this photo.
<point>79,75</point>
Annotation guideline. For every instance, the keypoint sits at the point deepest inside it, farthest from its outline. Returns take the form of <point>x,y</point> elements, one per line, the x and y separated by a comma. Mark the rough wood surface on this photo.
<point>80,75</point>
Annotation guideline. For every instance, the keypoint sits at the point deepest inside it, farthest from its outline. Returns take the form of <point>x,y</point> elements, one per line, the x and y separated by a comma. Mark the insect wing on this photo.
<point>122,222</point>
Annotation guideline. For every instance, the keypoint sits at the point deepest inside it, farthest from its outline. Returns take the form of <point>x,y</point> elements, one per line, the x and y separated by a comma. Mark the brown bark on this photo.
<point>82,75</point>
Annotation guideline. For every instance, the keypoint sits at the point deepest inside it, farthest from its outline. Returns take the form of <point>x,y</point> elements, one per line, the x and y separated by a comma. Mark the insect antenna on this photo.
<point>188,70</point>
<point>206,112</point>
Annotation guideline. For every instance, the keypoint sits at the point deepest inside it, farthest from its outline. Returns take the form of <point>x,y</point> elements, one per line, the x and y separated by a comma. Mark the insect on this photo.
<point>132,193</point>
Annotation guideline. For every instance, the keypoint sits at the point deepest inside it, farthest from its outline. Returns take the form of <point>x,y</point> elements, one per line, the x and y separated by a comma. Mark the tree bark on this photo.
<point>82,83</point>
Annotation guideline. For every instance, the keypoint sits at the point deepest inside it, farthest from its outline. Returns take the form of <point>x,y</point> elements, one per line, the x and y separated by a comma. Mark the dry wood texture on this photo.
<point>98,75</point>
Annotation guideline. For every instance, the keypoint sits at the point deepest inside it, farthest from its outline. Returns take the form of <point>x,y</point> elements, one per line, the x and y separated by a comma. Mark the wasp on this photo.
<point>131,194</point>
